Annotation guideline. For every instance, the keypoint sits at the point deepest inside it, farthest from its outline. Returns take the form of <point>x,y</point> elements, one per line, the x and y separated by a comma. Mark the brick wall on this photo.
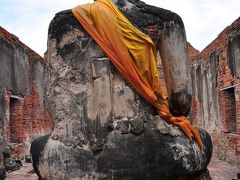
<point>195,113</point>
<point>237,98</point>
<point>25,119</point>
<point>216,86</point>
<point>192,52</point>
<point>228,110</point>
<point>11,38</point>
<point>25,116</point>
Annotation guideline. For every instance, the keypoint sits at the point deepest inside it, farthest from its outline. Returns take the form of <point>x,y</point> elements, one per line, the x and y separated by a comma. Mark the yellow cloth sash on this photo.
<point>133,53</point>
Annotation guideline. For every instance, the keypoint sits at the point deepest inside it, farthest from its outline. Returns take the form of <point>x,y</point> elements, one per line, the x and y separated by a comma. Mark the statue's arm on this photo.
<point>173,51</point>
<point>168,32</point>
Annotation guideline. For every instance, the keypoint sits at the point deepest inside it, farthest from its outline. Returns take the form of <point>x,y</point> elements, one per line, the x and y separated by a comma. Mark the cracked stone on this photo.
<point>137,126</point>
<point>123,126</point>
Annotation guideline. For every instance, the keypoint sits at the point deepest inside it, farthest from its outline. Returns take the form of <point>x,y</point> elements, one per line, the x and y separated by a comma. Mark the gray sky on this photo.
<point>203,19</point>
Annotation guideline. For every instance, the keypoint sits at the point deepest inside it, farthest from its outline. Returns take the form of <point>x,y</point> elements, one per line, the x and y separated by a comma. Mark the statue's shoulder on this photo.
<point>142,14</point>
<point>62,22</point>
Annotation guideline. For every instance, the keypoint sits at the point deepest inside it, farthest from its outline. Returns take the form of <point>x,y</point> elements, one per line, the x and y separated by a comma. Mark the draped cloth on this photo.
<point>133,54</point>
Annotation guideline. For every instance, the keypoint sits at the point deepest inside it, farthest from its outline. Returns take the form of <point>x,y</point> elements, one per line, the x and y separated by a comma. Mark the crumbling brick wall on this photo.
<point>216,84</point>
<point>23,114</point>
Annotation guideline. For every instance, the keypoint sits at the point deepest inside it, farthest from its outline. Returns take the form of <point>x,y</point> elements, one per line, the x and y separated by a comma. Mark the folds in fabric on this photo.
<point>132,52</point>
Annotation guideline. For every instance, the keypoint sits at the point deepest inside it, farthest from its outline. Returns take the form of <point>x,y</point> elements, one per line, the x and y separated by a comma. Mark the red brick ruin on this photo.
<point>23,114</point>
<point>215,105</point>
<point>216,91</point>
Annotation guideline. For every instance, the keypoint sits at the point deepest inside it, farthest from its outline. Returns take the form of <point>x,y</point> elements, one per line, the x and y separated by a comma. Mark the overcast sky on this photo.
<point>203,19</point>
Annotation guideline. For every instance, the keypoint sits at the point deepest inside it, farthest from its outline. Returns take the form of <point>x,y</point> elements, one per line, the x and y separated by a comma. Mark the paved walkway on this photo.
<point>24,173</point>
<point>219,170</point>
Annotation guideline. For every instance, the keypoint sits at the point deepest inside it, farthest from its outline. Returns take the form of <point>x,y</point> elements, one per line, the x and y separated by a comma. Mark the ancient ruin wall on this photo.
<point>216,84</point>
<point>22,111</point>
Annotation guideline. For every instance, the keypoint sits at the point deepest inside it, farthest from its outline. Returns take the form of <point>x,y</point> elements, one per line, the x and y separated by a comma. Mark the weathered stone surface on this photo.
<point>234,54</point>
<point>14,63</point>
<point>2,173</point>
<point>123,126</point>
<point>36,149</point>
<point>136,126</point>
<point>102,128</point>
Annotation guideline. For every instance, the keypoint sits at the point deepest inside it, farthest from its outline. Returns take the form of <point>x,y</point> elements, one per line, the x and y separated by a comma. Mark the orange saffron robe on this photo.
<point>133,53</point>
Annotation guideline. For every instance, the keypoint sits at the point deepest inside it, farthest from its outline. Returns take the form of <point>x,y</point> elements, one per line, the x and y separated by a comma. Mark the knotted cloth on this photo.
<point>133,54</point>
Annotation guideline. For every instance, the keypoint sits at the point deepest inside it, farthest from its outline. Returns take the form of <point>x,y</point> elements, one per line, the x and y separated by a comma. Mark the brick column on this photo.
<point>237,98</point>
<point>6,124</point>
<point>195,112</point>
